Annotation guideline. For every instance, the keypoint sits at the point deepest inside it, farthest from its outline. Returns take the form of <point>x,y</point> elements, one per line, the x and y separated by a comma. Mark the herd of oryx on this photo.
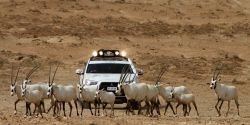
<point>83,94</point>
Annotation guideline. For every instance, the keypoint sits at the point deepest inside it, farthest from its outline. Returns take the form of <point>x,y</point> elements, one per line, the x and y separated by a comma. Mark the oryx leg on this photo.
<point>228,107</point>
<point>104,108</point>
<point>55,105</point>
<point>152,108</point>
<point>149,107</point>
<point>15,111</point>
<point>91,108</point>
<point>42,103</point>
<point>166,108</point>
<point>157,105</point>
<point>64,109</point>
<point>139,107</point>
<point>95,104</point>
<point>189,107</point>
<point>172,108</point>
<point>218,111</point>
<point>237,105</point>
<point>51,106</point>
<point>127,107</point>
<point>112,109</point>
<point>39,109</point>
<point>36,106</point>
<point>176,107</point>
<point>221,105</point>
<point>27,108</point>
<point>70,106</point>
<point>75,101</point>
<point>184,108</point>
<point>82,104</point>
<point>195,106</point>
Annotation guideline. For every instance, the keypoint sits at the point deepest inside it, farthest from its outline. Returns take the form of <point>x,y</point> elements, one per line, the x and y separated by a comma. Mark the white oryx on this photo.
<point>224,93</point>
<point>33,96</point>
<point>185,100</point>
<point>62,93</point>
<point>42,87</point>
<point>87,94</point>
<point>16,89</point>
<point>133,91</point>
<point>153,93</point>
<point>106,98</point>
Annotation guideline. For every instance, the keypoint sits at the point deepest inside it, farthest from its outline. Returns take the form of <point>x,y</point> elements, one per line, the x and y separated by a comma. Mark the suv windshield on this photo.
<point>107,68</point>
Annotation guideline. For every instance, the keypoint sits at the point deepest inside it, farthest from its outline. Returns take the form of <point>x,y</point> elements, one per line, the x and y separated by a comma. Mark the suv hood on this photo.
<point>105,77</point>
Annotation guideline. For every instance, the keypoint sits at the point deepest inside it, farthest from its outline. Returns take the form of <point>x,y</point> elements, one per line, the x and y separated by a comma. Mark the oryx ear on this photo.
<point>78,85</point>
<point>212,79</point>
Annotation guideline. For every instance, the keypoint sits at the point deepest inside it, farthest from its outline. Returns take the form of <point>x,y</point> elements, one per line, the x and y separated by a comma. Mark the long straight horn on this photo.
<point>11,77</point>
<point>49,73</point>
<point>29,73</point>
<point>217,67</point>
<point>123,74</point>
<point>17,74</point>
<point>54,74</point>
<point>157,80</point>
<point>32,71</point>
<point>219,71</point>
<point>161,74</point>
<point>217,74</point>
<point>126,74</point>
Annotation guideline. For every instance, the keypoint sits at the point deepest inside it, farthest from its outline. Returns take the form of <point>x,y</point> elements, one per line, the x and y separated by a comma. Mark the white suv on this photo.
<point>104,69</point>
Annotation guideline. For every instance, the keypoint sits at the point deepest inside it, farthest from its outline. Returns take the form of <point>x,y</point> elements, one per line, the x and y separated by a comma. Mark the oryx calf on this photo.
<point>33,96</point>
<point>106,98</point>
<point>185,100</point>
<point>88,94</point>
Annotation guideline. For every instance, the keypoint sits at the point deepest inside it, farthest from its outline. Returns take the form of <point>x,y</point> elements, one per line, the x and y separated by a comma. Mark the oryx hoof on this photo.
<point>15,112</point>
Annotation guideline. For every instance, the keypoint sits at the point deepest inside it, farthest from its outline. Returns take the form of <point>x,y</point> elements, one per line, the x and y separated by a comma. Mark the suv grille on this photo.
<point>105,85</point>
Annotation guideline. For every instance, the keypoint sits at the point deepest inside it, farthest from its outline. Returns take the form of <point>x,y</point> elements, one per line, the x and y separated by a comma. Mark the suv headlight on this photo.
<point>90,82</point>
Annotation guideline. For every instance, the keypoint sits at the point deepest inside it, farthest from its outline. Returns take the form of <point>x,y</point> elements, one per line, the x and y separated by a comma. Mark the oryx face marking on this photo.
<point>12,89</point>
<point>23,90</point>
<point>213,84</point>
<point>49,92</point>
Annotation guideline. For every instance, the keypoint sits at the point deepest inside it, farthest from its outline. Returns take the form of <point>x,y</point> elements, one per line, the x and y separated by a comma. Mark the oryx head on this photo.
<point>126,71</point>
<point>80,86</point>
<point>13,84</point>
<point>23,89</point>
<point>27,80</point>
<point>50,83</point>
<point>97,93</point>
<point>172,93</point>
<point>215,80</point>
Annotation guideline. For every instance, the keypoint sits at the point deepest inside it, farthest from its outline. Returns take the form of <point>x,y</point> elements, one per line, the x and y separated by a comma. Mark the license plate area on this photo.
<point>111,88</point>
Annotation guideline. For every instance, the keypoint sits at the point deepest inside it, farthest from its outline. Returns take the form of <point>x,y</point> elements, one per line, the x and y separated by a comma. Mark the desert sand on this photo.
<point>191,36</point>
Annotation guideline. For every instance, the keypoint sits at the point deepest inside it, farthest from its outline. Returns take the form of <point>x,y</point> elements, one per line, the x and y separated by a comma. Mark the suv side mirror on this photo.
<point>139,71</point>
<point>79,72</point>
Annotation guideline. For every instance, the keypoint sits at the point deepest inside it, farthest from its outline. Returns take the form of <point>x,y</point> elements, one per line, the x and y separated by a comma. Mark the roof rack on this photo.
<point>109,53</point>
